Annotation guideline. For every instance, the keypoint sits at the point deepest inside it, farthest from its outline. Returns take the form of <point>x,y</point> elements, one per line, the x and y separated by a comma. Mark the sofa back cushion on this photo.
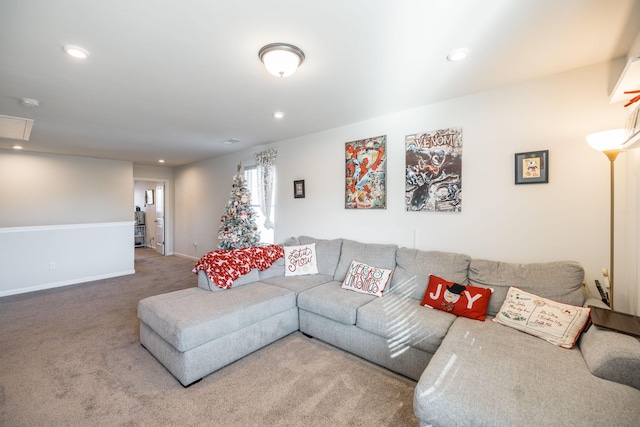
<point>560,280</point>
<point>414,266</point>
<point>374,254</point>
<point>327,253</point>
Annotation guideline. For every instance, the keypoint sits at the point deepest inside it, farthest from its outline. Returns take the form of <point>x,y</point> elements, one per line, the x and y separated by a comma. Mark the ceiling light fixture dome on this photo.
<point>281,59</point>
<point>76,51</point>
<point>29,102</point>
<point>457,55</point>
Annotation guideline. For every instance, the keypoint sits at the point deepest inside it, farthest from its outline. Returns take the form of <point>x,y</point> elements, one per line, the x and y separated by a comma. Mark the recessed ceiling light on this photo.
<point>29,103</point>
<point>76,51</point>
<point>278,114</point>
<point>17,147</point>
<point>457,54</point>
<point>161,161</point>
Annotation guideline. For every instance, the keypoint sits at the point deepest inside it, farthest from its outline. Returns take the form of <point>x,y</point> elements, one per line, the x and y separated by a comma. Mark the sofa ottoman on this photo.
<point>194,332</point>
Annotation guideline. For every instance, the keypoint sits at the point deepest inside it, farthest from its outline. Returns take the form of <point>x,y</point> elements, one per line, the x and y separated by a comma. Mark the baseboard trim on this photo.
<point>64,283</point>
<point>179,255</point>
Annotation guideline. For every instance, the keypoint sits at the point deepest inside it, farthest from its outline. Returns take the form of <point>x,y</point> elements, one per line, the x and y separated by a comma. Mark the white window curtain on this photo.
<point>266,165</point>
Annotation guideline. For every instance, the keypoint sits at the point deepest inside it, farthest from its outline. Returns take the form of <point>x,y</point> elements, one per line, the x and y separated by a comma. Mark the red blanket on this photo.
<point>223,267</point>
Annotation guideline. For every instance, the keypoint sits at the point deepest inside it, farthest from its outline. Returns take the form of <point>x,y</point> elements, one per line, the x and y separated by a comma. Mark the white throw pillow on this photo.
<point>555,322</point>
<point>300,260</point>
<point>366,279</point>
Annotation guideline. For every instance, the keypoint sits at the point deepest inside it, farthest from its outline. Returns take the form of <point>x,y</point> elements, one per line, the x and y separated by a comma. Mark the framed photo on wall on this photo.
<point>298,189</point>
<point>532,167</point>
<point>148,199</point>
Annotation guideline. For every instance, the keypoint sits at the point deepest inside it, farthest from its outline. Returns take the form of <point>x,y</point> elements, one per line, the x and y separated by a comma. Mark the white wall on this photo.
<point>42,257</point>
<point>63,220</point>
<point>566,219</point>
<point>628,251</point>
<point>47,189</point>
<point>202,189</point>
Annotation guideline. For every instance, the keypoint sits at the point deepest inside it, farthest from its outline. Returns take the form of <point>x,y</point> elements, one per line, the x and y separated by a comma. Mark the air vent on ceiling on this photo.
<point>15,128</point>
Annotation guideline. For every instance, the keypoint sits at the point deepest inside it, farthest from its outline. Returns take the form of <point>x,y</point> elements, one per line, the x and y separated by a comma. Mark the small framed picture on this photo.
<point>298,189</point>
<point>532,167</point>
<point>148,199</point>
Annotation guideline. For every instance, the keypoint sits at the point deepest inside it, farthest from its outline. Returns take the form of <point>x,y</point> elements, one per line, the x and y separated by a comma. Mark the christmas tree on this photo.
<point>238,228</point>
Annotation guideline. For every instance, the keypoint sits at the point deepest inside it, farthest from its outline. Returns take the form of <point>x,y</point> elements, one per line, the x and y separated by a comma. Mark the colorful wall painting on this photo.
<point>434,171</point>
<point>366,173</point>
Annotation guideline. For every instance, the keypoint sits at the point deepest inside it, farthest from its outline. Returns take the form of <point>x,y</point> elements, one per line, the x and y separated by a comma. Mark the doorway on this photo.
<point>150,204</point>
<point>160,230</point>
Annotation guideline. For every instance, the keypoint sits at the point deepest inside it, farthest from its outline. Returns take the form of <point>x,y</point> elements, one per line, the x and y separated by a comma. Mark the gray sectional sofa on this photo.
<point>468,372</point>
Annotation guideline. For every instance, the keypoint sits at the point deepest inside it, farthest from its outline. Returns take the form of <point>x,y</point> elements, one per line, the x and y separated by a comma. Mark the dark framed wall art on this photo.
<point>298,189</point>
<point>532,167</point>
<point>433,173</point>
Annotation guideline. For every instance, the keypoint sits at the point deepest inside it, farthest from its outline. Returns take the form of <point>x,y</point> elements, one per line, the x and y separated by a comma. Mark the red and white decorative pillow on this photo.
<point>461,300</point>
<point>300,260</point>
<point>555,322</point>
<point>366,279</point>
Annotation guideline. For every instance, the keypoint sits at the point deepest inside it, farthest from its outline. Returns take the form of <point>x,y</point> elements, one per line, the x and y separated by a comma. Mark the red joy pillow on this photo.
<point>461,300</point>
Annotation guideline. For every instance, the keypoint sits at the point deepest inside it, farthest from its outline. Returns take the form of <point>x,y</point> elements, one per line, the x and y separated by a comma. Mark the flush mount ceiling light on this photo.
<point>457,55</point>
<point>281,59</point>
<point>278,114</point>
<point>29,103</point>
<point>76,51</point>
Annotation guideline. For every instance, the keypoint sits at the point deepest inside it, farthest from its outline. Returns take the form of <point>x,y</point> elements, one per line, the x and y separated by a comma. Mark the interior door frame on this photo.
<point>168,210</point>
<point>161,200</point>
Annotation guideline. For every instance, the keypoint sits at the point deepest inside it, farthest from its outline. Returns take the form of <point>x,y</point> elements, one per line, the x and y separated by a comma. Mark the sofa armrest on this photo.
<point>276,270</point>
<point>611,355</point>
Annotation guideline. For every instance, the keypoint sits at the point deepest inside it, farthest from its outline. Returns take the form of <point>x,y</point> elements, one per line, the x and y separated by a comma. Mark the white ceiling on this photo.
<point>173,79</point>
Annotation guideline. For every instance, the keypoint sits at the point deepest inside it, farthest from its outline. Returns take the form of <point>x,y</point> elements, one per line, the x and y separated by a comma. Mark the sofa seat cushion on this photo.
<point>191,317</point>
<point>559,280</point>
<point>411,275</point>
<point>299,283</point>
<point>487,374</point>
<point>331,301</point>
<point>403,321</point>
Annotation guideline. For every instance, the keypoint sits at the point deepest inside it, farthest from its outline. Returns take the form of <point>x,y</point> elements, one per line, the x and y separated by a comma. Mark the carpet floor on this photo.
<point>71,356</point>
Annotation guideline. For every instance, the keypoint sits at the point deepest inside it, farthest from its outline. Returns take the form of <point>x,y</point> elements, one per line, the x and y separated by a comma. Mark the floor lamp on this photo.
<point>610,143</point>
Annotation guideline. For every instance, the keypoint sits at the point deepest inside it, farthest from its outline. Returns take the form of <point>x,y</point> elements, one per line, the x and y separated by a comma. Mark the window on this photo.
<point>251,175</point>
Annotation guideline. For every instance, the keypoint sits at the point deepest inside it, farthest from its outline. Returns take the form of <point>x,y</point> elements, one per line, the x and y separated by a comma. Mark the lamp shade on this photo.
<point>281,59</point>
<point>607,140</point>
